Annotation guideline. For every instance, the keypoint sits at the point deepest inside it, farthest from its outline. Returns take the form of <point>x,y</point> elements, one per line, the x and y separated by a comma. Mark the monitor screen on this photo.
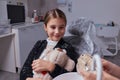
<point>16,13</point>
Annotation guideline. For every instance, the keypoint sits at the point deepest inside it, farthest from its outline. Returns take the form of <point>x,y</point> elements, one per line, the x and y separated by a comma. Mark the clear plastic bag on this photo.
<point>84,34</point>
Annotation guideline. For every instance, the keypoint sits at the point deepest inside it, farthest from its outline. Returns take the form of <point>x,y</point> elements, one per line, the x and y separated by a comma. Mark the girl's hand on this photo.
<point>42,65</point>
<point>33,79</point>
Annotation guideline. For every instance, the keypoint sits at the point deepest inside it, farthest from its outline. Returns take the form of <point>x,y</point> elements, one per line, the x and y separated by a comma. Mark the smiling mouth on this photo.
<point>57,36</point>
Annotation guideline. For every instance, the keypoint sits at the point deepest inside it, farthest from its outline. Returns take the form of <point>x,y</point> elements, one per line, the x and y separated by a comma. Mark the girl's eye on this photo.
<point>53,27</point>
<point>62,27</point>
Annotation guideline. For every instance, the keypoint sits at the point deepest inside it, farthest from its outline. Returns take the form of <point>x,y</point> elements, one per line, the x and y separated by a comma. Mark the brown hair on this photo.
<point>54,13</point>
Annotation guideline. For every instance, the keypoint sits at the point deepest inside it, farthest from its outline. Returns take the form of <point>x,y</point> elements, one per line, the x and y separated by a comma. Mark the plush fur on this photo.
<point>84,62</point>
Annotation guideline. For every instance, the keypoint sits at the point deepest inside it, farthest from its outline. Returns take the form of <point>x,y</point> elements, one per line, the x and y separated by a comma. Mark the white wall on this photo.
<point>41,5</point>
<point>100,11</point>
<point>3,11</point>
<point>47,5</point>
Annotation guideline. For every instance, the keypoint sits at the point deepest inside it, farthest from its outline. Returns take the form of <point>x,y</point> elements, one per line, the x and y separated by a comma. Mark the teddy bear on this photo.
<point>84,62</point>
<point>57,56</point>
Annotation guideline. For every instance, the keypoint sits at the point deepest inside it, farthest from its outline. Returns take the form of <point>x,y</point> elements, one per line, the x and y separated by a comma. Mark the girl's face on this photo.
<point>55,28</point>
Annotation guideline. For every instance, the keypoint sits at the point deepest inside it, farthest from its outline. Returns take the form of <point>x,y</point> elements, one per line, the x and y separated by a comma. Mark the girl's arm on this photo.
<point>27,68</point>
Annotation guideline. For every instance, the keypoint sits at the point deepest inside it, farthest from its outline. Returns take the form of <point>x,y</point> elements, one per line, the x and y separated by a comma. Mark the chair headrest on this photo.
<point>79,27</point>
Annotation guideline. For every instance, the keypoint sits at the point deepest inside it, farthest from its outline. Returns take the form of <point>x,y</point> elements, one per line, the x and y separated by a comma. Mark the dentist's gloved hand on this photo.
<point>110,72</point>
<point>111,68</point>
<point>91,75</point>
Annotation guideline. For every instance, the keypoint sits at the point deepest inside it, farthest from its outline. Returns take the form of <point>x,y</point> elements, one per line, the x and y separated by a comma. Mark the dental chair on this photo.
<point>81,33</point>
<point>110,34</point>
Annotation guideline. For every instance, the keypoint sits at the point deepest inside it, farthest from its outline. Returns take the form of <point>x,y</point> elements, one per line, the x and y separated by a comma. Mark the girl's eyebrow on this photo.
<point>62,25</point>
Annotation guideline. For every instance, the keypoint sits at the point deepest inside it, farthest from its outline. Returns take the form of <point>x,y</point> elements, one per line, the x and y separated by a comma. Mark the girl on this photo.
<point>54,25</point>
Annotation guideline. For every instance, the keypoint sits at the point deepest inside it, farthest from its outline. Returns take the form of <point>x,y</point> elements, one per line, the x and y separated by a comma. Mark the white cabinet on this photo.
<point>26,36</point>
<point>107,31</point>
<point>7,56</point>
